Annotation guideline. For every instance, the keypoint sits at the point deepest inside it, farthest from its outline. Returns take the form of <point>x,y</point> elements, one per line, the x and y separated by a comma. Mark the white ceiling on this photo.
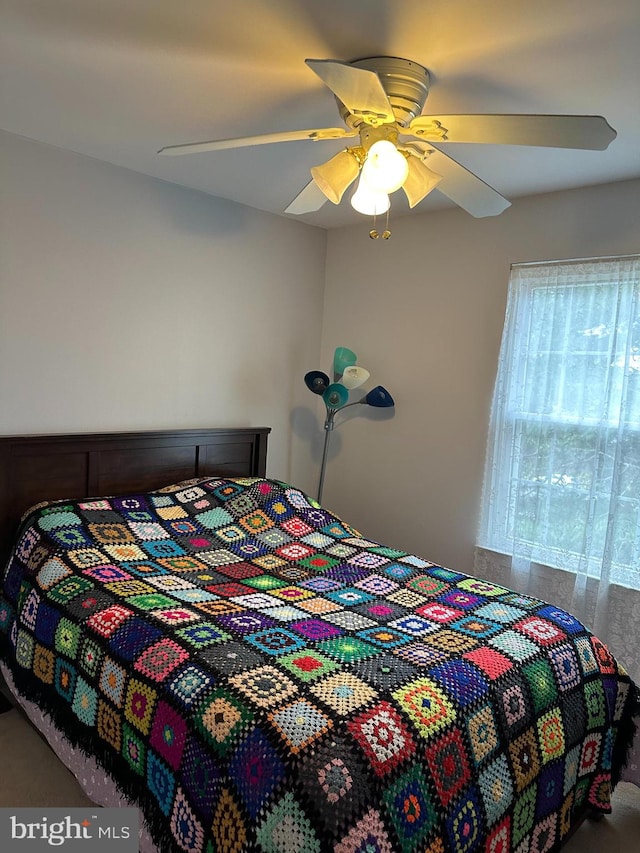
<point>119,79</point>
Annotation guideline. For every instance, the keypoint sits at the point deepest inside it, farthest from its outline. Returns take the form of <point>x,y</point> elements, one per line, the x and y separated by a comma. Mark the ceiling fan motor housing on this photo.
<point>405,83</point>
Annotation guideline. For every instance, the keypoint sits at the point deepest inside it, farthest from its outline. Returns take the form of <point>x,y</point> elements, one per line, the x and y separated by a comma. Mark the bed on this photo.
<point>255,675</point>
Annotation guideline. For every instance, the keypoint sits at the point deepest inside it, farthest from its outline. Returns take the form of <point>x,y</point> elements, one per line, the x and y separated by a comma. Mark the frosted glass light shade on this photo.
<point>334,176</point>
<point>335,396</point>
<point>354,377</point>
<point>420,181</point>
<point>343,358</point>
<point>368,201</point>
<point>385,169</point>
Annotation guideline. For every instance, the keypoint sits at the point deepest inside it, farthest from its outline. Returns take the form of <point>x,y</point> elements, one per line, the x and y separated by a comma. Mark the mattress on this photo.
<point>254,675</point>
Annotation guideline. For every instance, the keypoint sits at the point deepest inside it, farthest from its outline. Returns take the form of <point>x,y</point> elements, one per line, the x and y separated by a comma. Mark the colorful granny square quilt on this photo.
<point>259,678</point>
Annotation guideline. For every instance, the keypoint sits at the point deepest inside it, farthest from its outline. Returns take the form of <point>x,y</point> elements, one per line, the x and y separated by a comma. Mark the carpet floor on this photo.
<point>32,775</point>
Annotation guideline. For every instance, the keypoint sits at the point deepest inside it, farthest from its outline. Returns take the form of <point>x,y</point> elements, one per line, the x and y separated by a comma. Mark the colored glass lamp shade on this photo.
<point>379,397</point>
<point>342,358</point>
<point>335,396</point>
<point>354,376</point>
<point>317,381</point>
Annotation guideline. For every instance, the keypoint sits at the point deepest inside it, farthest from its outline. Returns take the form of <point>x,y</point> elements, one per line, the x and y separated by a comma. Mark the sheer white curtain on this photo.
<point>561,505</point>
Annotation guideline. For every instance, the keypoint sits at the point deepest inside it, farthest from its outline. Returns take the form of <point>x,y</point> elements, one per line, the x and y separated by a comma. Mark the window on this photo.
<point>562,477</point>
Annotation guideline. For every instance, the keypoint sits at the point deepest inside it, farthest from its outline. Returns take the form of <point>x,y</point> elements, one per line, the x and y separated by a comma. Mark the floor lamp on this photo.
<point>347,376</point>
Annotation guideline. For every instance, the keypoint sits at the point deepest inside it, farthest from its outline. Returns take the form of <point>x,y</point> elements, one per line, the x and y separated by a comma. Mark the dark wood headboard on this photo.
<point>51,467</point>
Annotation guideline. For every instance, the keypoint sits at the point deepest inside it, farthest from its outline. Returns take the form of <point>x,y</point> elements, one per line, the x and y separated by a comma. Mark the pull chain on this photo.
<point>385,234</point>
<point>373,233</point>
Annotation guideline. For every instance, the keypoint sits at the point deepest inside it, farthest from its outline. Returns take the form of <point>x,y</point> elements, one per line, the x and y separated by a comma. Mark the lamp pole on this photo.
<point>328,429</point>
<point>347,376</point>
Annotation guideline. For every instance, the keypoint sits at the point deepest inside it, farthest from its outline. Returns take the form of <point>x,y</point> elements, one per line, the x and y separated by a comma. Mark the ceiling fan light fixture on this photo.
<point>420,181</point>
<point>337,174</point>
<point>385,170</point>
<point>380,99</point>
<point>368,201</point>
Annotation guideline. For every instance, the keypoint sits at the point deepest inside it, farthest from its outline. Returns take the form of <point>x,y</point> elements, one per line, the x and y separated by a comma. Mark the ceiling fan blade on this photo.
<point>264,139</point>
<point>359,90</point>
<point>467,190</point>
<point>309,199</point>
<point>559,131</point>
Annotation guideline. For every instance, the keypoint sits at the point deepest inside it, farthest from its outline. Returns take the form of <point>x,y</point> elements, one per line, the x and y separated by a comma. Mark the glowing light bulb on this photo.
<point>368,201</point>
<point>385,170</point>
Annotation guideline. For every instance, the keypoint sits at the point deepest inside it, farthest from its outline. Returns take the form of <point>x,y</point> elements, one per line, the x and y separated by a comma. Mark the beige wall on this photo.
<point>424,313</point>
<point>129,303</point>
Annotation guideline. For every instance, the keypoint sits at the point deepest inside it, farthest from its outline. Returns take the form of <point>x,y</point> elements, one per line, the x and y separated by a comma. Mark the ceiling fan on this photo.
<point>380,100</point>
